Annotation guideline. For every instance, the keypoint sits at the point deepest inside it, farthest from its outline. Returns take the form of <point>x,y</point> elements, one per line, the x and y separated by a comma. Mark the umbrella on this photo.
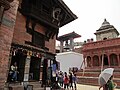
<point>105,75</point>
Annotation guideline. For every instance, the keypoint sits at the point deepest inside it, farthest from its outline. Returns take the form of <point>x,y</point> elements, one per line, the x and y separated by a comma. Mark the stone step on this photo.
<point>94,74</point>
<point>34,82</point>
<point>38,89</point>
<point>17,87</point>
<point>98,69</point>
<point>14,83</point>
<point>36,85</point>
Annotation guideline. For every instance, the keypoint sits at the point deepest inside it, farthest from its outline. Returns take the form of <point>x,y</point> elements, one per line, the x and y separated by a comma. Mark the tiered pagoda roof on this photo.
<point>106,27</point>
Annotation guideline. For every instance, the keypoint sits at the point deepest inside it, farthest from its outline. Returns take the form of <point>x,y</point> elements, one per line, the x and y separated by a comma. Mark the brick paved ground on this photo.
<point>83,87</point>
<point>88,87</point>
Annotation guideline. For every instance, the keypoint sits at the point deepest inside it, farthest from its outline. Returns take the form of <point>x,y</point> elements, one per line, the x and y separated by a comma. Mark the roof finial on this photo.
<point>105,20</point>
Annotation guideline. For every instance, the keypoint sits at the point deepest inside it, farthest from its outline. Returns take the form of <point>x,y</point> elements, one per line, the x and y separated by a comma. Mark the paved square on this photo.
<point>88,87</point>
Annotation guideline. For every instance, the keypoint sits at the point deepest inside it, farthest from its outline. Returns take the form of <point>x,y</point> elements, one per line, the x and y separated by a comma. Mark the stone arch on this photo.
<point>113,60</point>
<point>88,61</point>
<point>95,60</point>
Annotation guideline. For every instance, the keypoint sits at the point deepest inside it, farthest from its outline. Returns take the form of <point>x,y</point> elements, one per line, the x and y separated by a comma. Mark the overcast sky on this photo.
<point>91,14</point>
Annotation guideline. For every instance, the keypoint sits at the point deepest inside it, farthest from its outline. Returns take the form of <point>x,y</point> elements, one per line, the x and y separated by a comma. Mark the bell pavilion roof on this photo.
<point>68,36</point>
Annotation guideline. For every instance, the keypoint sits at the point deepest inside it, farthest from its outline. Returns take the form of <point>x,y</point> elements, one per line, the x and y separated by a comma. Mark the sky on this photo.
<point>91,14</point>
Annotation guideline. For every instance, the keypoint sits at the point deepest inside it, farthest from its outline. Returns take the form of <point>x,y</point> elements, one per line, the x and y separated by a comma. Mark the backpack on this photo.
<point>66,80</point>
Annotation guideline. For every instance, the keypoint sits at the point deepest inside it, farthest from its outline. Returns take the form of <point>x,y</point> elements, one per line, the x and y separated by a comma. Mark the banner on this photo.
<point>53,70</point>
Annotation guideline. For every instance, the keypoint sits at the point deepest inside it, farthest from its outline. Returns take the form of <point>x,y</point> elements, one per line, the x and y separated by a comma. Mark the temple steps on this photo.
<point>90,76</point>
<point>36,85</point>
<point>16,86</point>
<point>95,72</point>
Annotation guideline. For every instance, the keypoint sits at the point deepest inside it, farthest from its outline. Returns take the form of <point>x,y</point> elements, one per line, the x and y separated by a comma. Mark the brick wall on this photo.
<point>20,34</point>
<point>51,44</point>
<point>6,35</point>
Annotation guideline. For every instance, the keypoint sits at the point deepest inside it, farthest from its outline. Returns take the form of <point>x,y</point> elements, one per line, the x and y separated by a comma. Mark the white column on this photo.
<point>71,44</point>
<point>61,46</point>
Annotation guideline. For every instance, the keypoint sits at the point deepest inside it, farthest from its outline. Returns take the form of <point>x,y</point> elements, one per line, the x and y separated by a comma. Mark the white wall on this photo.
<point>68,60</point>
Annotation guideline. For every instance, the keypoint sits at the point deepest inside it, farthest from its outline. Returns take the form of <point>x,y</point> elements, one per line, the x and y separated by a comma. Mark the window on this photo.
<point>38,39</point>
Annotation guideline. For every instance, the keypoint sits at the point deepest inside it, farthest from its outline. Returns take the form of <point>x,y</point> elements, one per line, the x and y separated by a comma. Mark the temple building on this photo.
<point>101,54</point>
<point>28,31</point>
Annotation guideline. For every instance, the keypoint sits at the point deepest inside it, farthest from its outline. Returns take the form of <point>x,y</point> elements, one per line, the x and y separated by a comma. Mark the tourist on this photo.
<point>75,81</point>
<point>111,84</point>
<point>66,81</point>
<point>71,80</point>
<point>14,71</point>
<point>61,77</point>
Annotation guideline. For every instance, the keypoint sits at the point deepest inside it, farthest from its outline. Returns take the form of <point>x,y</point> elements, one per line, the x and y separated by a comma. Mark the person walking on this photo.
<point>71,80</point>
<point>66,81</point>
<point>75,81</point>
<point>61,77</point>
<point>111,84</point>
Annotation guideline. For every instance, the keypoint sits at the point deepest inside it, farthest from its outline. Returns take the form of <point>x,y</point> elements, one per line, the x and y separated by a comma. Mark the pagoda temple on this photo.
<point>28,31</point>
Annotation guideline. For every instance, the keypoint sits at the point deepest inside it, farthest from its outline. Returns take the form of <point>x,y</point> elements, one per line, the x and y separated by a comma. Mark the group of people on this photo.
<point>67,81</point>
<point>110,85</point>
